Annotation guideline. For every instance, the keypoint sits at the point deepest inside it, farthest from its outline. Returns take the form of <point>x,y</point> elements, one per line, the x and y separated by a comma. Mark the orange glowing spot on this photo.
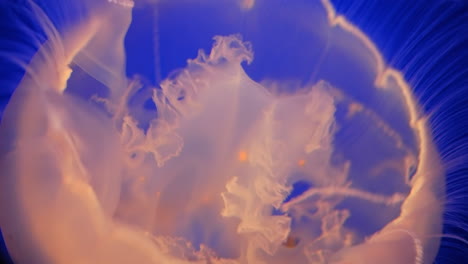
<point>291,242</point>
<point>206,199</point>
<point>242,156</point>
<point>353,109</point>
<point>247,4</point>
<point>301,162</point>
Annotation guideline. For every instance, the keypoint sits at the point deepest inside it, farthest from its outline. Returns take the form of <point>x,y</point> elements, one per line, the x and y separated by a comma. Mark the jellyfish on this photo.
<point>284,135</point>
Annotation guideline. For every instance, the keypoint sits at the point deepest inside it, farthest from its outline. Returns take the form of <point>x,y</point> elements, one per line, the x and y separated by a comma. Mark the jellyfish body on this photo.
<point>207,177</point>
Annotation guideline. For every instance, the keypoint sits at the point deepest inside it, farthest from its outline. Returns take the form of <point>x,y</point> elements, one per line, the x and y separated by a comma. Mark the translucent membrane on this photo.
<point>324,158</point>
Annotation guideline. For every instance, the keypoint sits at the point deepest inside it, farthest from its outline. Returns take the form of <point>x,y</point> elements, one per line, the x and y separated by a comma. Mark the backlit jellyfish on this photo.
<point>291,140</point>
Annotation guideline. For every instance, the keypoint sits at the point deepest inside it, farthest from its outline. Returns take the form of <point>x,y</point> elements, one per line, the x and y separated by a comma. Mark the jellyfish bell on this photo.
<point>211,176</point>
